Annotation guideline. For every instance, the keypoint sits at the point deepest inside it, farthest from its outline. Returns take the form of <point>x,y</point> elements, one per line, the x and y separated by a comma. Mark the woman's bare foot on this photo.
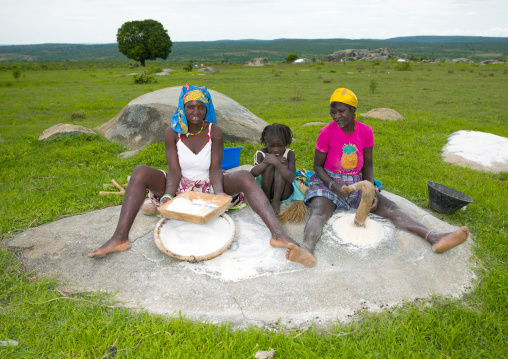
<point>111,246</point>
<point>443,242</point>
<point>300,255</point>
<point>282,242</point>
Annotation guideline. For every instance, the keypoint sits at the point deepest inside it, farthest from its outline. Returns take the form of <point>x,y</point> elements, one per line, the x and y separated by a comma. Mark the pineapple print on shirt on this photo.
<point>349,158</point>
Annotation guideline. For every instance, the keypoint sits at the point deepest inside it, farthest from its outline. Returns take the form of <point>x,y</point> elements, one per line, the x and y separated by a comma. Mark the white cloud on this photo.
<point>94,21</point>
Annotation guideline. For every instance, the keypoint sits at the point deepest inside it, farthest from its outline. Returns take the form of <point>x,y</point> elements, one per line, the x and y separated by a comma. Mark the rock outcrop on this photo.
<point>360,55</point>
<point>145,119</point>
<point>383,114</point>
<point>260,61</point>
<point>64,129</point>
<point>209,70</point>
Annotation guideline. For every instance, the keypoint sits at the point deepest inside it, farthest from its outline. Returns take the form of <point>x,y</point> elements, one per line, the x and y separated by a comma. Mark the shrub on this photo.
<point>373,85</point>
<point>144,78</point>
<point>188,67</point>
<point>16,72</point>
<point>155,69</point>
<point>291,57</point>
<point>327,80</point>
<point>403,66</point>
<point>80,114</point>
<point>360,67</point>
<point>295,96</point>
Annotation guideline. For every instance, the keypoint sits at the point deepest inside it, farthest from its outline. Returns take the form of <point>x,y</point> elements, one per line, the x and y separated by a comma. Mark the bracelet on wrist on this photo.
<point>167,195</point>
<point>330,185</point>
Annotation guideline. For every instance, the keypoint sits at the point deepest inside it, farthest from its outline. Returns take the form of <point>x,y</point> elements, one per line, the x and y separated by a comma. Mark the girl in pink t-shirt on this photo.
<point>343,156</point>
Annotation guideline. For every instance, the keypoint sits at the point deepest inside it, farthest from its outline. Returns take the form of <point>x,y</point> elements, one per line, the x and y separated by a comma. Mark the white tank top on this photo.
<point>195,167</point>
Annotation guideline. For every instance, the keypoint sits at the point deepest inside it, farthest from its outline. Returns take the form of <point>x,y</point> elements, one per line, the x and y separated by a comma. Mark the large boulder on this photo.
<point>209,70</point>
<point>64,129</point>
<point>145,119</point>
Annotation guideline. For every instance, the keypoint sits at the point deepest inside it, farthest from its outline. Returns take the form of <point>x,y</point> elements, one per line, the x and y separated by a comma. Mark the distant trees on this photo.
<point>143,40</point>
<point>291,57</point>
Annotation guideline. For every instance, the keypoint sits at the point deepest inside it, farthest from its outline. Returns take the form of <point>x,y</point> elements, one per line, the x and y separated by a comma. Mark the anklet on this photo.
<point>427,236</point>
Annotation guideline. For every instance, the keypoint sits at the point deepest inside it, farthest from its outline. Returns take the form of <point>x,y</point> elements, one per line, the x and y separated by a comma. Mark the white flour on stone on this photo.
<point>196,207</point>
<point>250,256</point>
<point>362,237</point>
<point>192,239</point>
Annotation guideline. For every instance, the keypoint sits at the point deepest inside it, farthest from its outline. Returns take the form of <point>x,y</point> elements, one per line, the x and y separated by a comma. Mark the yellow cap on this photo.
<point>344,95</point>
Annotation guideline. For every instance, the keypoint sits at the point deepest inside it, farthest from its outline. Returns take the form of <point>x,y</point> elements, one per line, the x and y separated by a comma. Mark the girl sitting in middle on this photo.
<point>275,166</point>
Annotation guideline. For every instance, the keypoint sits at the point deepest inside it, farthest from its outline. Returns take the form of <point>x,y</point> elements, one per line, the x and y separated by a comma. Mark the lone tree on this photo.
<point>291,57</point>
<point>143,40</point>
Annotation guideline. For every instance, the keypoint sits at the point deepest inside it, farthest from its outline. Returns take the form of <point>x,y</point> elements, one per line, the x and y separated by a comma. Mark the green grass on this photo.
<point>41,182</point>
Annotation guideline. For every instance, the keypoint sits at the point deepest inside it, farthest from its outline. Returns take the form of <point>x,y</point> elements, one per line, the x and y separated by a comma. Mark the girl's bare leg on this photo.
<point>242,181</point>
<point>321,210</point>
<point>142,177</point>
<point>278,187</point>
<point>441,242</point>
<point>267,179</point>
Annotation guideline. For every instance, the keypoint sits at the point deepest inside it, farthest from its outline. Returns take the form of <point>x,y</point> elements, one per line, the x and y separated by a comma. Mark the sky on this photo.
<point>97,21</point>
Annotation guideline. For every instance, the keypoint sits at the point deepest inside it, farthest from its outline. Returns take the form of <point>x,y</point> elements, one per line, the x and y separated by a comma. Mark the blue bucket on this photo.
<point>231,158</point>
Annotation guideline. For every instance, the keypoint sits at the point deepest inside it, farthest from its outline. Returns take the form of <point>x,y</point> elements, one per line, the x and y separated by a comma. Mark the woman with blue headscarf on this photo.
<point>194,149</point>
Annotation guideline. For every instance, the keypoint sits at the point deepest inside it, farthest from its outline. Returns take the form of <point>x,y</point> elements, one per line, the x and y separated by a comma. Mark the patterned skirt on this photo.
<point>203,186</point>
<point>318,189</point>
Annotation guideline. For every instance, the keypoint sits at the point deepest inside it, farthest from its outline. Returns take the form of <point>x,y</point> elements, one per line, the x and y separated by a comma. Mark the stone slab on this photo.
<point>251,283</point>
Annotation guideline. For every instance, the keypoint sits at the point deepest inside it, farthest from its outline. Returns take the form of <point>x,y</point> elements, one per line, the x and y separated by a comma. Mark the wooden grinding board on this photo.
<point>221,202</point>
<point>195,255</point>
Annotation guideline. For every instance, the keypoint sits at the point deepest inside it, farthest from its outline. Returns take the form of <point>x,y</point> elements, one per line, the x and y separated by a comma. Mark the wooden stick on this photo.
<point>118,186</point>
<point>103,193</point>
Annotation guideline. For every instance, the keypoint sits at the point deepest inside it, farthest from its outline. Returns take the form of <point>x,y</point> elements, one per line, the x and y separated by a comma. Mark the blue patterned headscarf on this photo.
<point>191,93</point>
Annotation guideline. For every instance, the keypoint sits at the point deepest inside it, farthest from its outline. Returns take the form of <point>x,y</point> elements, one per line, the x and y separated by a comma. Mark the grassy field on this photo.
<point>41,182</point>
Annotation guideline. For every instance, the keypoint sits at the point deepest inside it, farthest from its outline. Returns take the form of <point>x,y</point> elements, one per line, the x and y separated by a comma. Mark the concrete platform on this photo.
<point>251,283</point>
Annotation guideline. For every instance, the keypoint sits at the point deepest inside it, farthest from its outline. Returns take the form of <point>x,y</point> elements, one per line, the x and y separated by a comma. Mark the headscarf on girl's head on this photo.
<point>191,93</point>
<point>346,96</point>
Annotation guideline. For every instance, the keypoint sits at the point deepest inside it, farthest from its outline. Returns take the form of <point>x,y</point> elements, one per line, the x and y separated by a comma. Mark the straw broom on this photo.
<point>296,211</point>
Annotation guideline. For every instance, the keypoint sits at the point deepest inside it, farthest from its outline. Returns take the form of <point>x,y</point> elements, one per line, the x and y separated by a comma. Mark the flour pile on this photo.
<point>196,207</point>
<point>249,256</point>
<point>477,150</point>
<point>192,239</point>
<point>342,232</point>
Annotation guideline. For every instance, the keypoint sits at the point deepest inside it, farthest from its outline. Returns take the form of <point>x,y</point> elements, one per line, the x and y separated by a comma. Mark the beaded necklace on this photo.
<point>197,133</point>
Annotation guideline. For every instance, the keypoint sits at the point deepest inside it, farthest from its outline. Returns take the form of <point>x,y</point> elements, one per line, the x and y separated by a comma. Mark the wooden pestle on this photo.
<point>368,192</point>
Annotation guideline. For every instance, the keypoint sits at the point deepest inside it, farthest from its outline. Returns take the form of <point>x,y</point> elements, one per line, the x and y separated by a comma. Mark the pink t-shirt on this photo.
<point>344,152</point>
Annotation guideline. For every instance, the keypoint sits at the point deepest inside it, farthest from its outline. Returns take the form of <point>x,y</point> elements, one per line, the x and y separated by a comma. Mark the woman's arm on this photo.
<point>216,176</point>
<point>319,163</point>
<point>368,169</point>
<point>174,174</point>
<point>368,172</point>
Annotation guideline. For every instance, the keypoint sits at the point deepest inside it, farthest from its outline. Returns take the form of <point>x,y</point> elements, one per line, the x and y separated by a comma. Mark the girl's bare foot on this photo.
<point>276,206</point>
<point>111,246</point>
<point>443,242</point>
<point>282,242</point>
<point>300,255</point>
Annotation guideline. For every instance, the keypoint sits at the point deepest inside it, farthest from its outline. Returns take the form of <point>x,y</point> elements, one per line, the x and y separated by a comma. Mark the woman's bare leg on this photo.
<point>441,242</point>
<point>142,177</point>
<point>242,181</point>
<point>321,210</point>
